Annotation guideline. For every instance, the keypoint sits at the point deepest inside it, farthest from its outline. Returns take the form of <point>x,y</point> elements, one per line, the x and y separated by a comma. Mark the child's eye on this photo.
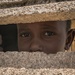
<point>49,33</point>
<point>25,34</point>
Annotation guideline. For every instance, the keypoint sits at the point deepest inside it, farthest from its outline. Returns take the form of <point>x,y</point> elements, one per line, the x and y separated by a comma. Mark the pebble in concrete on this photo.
<point>37,60</point>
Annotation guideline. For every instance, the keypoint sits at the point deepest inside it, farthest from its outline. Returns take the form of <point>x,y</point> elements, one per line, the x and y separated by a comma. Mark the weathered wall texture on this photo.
<point>24,63</point>
<point>23,71</point>
<point>43,12</point>
<point>37,63</point>
<point>37,60</point>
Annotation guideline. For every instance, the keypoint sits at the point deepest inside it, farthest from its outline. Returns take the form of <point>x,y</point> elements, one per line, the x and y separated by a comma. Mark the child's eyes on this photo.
<point>49,33</point>
<point>25,34</point>
<point>46,33</point>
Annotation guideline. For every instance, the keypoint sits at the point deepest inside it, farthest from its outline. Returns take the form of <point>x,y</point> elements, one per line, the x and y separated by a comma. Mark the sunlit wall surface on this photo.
<point>73,44</point>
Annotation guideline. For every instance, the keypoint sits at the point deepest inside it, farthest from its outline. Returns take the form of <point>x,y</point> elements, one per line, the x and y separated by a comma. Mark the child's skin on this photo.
<point>48,37</point>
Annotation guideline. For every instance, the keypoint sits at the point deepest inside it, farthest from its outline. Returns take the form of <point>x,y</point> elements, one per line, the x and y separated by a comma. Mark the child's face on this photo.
<point>48,37</point>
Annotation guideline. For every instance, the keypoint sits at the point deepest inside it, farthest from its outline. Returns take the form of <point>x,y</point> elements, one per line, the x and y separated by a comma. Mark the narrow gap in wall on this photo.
<point>9,37</point>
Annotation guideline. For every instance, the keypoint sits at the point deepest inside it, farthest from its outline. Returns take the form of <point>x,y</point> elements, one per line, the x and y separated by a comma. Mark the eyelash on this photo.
<point>49,33</point>
<point>25,34</point>
<point>46,34</point>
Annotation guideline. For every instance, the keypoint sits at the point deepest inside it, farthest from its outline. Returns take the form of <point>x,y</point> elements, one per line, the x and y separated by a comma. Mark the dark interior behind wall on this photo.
<point>9,37</point>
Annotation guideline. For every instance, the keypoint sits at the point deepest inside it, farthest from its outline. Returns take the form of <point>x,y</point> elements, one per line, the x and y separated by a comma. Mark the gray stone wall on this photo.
<point>37,63</point>
<point>40,12</point>
<point>23,71</point>
<point>37,60</point>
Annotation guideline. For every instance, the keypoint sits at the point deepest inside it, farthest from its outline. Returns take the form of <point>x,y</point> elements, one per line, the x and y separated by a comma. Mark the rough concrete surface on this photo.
<point>23,71</point>
<point>37,60</point>
<point>8,1</point>
<point>37,63</point>
<point>37,13</point>
<point>20,3</point>
<point>30,2</point>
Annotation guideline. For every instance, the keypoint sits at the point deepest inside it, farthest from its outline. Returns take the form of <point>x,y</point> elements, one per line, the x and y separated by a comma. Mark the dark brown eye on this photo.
<point>49,33</point>
<point>25,34</point>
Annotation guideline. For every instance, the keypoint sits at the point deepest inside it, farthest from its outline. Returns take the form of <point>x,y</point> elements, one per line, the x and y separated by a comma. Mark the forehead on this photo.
<point>50,24</point>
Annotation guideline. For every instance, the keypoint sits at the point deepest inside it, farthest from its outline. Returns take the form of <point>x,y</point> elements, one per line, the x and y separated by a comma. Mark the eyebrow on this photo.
<point>23,28</point>
<point>48,27</point>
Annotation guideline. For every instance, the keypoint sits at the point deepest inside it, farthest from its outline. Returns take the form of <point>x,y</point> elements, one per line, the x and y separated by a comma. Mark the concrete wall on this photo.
<point>37,63</point>
<point>23,71</point>
<point>24,63</point>
<point>37,60</point>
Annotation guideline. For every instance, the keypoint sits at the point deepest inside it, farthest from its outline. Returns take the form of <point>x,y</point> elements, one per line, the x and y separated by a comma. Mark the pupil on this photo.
<point>48,33</point>
<point>25,34</point>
